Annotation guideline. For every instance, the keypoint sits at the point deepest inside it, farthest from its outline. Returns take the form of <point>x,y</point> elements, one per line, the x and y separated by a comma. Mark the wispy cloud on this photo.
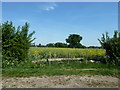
<point>48,6</point>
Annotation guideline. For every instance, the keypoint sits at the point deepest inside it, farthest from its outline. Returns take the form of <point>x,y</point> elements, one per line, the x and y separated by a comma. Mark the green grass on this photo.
<point>59,68</point>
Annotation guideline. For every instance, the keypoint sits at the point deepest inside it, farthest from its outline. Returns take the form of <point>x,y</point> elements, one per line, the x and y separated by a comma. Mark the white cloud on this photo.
<point>48,6</point>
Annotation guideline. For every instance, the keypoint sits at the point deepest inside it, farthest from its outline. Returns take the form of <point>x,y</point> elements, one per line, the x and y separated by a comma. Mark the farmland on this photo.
<point>42,53</point>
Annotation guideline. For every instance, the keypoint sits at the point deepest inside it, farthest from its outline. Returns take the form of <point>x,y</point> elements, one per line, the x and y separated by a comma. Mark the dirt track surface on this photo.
<point>73,81</point>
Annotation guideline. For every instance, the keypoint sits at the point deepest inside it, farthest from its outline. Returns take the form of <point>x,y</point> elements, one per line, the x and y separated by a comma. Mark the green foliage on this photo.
<point>112,46</point>
<point>74,41</point>
<point>50,45</point>
<point>15,43</point>
<point>33,45</point>
<point>59,44</point>
<point>39,45</point>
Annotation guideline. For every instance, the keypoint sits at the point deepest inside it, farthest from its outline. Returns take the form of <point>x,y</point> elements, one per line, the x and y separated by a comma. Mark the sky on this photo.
<point>55,21</point>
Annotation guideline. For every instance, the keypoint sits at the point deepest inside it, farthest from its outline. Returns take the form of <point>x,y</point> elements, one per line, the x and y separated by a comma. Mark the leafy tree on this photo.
<point>59,44</point>
<point>50,45</point>
<point>112,47</point>
<point>74,41</point>
<point>39,45</point>
<point>15,43</point>
<point>81,46</point>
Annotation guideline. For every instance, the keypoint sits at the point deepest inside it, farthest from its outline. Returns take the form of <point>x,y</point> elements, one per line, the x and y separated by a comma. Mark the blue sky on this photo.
<point>55,21</point>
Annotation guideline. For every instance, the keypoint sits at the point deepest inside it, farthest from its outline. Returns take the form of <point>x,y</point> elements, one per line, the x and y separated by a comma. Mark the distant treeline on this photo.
<point>73,41</point>
<point>61,45</point>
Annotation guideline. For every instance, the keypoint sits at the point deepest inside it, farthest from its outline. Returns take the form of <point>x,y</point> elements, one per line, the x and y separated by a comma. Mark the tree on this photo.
<point>15,43</point>
<point>59,44</point>
<point>112,47</point>
<point>74,41</point>
<point>39,45</point>
<point>50,45</point>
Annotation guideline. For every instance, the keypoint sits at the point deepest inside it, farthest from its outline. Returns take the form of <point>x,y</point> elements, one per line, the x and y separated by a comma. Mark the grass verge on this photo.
<point>59,68</point>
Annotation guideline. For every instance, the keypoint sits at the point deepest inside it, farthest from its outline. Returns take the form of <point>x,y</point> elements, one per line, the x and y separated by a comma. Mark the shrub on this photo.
<point>112,46</point>
<point>15,43</point>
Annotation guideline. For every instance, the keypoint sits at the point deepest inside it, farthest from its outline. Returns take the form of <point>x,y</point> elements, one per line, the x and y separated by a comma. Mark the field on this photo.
<point>64,69</point>
<point>42,53</point>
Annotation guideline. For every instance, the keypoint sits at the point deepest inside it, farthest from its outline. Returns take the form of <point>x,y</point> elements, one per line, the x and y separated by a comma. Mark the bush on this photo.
<point>112,46</point>
<point>15,43</point>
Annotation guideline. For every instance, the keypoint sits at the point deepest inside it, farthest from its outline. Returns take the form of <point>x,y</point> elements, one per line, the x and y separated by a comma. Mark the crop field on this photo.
<point>44,52</point>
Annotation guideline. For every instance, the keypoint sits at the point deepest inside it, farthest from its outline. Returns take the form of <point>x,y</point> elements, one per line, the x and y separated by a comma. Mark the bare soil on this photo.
<point>61,81</point>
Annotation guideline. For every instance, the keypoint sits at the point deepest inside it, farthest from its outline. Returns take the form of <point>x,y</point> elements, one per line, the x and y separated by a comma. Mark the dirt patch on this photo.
<point>62,81</point>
